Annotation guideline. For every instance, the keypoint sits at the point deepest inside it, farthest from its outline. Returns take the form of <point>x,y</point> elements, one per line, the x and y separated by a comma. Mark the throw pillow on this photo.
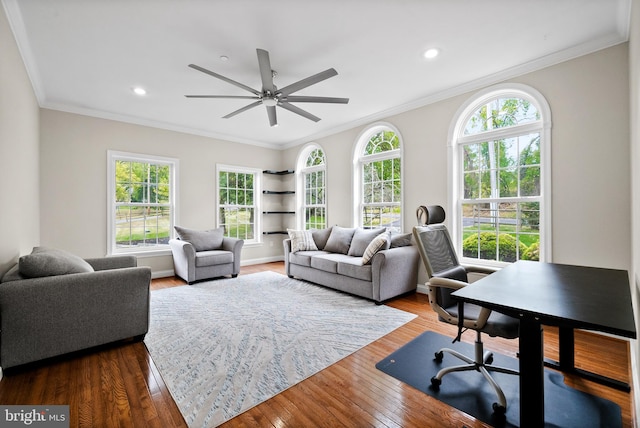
<point>339,240</point>
<point>320,237</point>
<point>50,262</point>
<point>361,239</point>
<point>202,240</point>
<point>301,240</point>
<point>380,242</point>
<point>400,240</point>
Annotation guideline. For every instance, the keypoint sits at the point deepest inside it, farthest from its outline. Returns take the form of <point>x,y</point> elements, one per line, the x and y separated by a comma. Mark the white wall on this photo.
<point>588,97</point>
<point>74,179</point>
<point>19,164</point>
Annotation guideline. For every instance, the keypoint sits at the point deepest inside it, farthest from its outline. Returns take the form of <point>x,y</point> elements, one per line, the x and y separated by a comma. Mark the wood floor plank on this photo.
<point>119,385</point>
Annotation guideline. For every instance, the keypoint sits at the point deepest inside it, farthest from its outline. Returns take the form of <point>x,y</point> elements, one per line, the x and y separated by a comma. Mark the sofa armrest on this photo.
<point>235,246</point>
<point>49,316</point>
<point>394,272</point>
<point>184,259</point>
<point>286,243</point>
<point>114,262</point>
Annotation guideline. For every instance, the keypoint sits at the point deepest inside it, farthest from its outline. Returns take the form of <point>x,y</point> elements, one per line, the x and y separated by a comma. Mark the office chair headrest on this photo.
<point>432,214</point>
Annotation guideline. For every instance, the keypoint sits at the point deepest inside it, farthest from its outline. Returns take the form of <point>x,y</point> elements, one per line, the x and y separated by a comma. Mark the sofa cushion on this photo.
<point>361,239</point>
<point>202,240</point>
<point>339,240</point>
<point>380,242</point>
<point>400,239</point>
<point>301,240</point>
<point>355,269</point>
<point>321,236</point>
<point>213,258</point>
<point>303,258</point>
<point>328,262</point>
<point>50,262</point>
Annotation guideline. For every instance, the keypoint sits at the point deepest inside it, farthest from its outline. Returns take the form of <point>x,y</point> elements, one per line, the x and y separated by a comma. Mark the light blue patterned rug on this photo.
<point>226,345</point>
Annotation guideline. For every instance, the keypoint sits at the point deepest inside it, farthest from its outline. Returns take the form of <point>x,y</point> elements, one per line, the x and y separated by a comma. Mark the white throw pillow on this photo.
<point>302,240</point>
<point>380,242</point>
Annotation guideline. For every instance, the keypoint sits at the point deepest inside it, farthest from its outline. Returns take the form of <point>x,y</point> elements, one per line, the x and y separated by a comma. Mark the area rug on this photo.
<point>564,406</point>
<point>226,345</point>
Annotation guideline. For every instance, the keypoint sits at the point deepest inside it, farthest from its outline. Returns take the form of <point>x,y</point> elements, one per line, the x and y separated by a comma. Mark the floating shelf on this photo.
<point>276,232</point>
<point>278,192</point>
<point>278,212</point>
<point>283,172</point>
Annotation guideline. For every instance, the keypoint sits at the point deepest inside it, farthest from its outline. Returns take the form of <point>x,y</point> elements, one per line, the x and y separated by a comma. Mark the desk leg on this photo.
<point>531,374</point>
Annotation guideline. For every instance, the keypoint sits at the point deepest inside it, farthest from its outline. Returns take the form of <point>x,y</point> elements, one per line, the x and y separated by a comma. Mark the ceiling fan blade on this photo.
<point>226,79</point>
<point>303,99</point>
<point>271,112</point>
<point>240,97</point>
<point>312,80</point>
<point>265,70</point>
<point>297,110</point>
<point>245,108</point>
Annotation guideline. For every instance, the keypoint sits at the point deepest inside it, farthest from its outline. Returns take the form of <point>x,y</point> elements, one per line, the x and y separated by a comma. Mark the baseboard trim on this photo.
<point>262,260</point>
<point>422,289</point>
<point>162,273</point>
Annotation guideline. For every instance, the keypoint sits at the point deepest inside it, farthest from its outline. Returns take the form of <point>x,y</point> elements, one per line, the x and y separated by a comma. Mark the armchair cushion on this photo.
<point>202,240</point>
<point>51,262</point>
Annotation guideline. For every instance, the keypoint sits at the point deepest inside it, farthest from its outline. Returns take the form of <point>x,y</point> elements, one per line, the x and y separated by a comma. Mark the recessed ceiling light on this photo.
<point>139,91</point>
<point>224,58</point>
<point>431,53</point>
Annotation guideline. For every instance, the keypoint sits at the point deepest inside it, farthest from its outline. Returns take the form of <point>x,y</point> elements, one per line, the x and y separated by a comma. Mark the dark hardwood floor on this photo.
<point>119,385</point>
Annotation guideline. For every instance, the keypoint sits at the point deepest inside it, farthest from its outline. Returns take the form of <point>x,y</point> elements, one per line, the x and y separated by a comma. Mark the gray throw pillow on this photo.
<point>361,240</point>
<point>400,239</point>
<point>202,240</point>
<point>339,240</point>
<point>321,236</point>
<point>50,262</point>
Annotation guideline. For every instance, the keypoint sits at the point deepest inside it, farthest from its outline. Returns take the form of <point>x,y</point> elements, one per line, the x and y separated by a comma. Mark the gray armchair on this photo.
<point>193,263</point>
<point>47,316</point>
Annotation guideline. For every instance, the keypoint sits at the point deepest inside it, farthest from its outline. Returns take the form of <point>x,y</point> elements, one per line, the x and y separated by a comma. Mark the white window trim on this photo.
<point>356,176</point>
<point>159,250</point>
<point>257,197</point>
<point>453,160</point>
<point>301,170</point>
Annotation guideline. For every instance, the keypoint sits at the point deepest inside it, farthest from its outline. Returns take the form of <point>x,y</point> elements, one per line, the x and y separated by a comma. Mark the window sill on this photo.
<point>143,254</point>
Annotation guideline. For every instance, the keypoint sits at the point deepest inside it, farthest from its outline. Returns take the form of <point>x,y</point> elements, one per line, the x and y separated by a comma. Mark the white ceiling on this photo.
<point>85,56</point>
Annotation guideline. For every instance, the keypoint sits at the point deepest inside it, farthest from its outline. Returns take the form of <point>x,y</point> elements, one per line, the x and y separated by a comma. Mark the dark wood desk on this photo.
<point>552,294</point>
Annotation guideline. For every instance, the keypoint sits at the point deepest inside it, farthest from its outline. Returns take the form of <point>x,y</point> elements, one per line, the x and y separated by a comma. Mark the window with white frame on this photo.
<point>313,173</point>
<point>378,178</point>
<point>142,207</point>
<point>238,199</point>
<point>500,177</point>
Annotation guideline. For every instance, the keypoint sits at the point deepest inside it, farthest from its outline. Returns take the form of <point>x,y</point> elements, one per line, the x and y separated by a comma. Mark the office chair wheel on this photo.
<point>435,382</point>
<point>497,409</point>
<point>489,360</point>
<point>439,356</point>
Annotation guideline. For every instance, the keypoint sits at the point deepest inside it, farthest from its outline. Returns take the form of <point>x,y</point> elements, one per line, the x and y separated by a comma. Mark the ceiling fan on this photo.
<point>270,96</point>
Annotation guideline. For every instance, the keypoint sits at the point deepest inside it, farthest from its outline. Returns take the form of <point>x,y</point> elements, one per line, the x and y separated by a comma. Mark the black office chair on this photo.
<point>447,275</point>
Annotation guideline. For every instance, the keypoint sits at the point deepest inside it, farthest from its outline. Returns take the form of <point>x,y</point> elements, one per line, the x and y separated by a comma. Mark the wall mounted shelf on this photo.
<point>282,201</point>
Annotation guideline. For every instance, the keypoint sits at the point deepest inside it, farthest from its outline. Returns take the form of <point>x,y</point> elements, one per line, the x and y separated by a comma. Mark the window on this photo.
<point>141,203</point>
<point>238,190</point>
<point>500,163</point>
<point>378,178</point>
<point>313,194</point>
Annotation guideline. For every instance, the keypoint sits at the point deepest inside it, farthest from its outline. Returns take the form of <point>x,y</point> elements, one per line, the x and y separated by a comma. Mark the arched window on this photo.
<point>500,181</point>
<point>378,178</point>
<point>312,188</point>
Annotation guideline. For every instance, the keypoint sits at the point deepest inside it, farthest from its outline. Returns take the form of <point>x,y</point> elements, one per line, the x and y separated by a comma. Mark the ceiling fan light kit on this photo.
<point>270,96</point>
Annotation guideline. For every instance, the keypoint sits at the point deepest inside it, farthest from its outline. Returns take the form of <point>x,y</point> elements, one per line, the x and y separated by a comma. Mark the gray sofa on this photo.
<point>391,270</point>
<point>55,313</point>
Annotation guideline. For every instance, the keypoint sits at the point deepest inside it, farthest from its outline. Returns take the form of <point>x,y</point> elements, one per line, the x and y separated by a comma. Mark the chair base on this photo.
<point>482,364</point>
